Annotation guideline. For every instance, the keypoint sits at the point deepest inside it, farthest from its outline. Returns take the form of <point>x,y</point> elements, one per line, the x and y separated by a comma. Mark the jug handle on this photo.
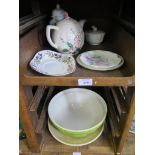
<point>48,29</point>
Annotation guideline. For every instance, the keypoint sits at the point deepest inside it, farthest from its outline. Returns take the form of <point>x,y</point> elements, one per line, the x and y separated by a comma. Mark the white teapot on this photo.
<point>67,36</point>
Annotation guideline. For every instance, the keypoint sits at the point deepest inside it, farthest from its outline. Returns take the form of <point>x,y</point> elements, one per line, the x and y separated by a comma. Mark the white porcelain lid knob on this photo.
<point>94,28</point>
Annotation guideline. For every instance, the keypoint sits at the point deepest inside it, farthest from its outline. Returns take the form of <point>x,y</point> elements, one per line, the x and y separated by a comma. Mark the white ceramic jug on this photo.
<point>67,36</point>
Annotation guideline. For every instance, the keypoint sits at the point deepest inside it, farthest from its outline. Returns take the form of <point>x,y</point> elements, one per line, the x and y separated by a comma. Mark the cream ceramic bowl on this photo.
<point>77,111</point>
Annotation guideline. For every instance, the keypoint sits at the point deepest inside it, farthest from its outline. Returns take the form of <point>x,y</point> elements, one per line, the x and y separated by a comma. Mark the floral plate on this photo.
<point>73,141</point>
<point>52,63</point>
<point>100,60</point>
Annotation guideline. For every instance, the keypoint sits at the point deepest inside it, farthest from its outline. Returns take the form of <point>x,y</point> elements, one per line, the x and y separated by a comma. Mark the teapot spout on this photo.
<point>82,22</point>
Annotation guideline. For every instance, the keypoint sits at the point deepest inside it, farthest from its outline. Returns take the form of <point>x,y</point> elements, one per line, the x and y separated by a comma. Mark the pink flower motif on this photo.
<point>66,14</point>
<point>77,38</point>
<point>77,42</point>
<point>71,50</point>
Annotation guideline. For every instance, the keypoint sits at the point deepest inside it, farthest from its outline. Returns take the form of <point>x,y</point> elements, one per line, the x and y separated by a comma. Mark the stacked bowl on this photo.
<point>76,116</point>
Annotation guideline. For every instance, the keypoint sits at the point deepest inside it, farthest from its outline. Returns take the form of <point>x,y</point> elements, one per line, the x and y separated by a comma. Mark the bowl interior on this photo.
<point>77,109</point>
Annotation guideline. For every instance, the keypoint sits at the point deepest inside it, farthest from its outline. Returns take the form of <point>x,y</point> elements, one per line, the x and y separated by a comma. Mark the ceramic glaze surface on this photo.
<point>72,141</point>
<point>58,13</point>
<point>52,63</point>
<point>77,109</point>
<point>68,36</point>
<point>100,60</point>
<point>94,37</point>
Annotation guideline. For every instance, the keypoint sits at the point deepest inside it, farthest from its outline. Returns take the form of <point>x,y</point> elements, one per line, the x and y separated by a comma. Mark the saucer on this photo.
<point>100,60</point>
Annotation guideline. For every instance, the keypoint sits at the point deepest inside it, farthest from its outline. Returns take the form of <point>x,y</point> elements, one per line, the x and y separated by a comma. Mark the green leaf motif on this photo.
<point>69,44</point>
<point>65,50</point>
<point>78,49</point>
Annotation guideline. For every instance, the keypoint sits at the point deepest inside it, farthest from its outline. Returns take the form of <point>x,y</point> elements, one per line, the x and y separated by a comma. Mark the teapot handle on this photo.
<point>48,29</point>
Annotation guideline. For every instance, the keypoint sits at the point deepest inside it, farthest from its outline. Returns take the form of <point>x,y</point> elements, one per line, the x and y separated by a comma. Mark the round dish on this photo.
<point>77,111</point>
<point>72,141</point>
<point>52,63</point>
<point>100,60</point>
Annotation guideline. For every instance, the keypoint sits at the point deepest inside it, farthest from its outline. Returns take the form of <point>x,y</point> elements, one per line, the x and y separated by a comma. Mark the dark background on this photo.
<point>80,9</point>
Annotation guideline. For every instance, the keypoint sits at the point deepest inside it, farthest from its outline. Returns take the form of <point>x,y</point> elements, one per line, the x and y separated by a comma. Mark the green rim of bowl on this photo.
<point>76,134</point>
<point>84,131</point>
<point>74,141</point>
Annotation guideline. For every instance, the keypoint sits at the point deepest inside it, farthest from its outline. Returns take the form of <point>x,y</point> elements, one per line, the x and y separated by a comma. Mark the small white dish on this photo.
<point>100,60</point>
<point>52,63</point>
<point>95,36</point>
<point>72,141</point>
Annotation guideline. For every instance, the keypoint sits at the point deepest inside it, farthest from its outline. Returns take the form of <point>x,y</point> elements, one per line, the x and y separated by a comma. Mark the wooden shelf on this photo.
<point>99,79</point>
<point>113,138</point>
<point>118,41</point>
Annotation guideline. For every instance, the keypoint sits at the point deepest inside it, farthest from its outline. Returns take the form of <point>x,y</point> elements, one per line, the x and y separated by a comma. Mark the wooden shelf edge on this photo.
<point>73,81</point>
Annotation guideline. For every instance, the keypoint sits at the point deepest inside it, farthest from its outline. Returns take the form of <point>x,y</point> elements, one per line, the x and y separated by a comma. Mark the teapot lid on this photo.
<point>57,11</point>
<point>59,14</point>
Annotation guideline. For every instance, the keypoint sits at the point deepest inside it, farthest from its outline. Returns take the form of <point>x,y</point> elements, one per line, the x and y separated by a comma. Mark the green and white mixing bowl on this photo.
<point>74,141</point>
<point>77,112</point>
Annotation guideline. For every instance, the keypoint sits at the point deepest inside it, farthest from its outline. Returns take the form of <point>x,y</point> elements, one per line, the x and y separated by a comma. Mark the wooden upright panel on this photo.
<point>127,125</point>
<point>32,138</point>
